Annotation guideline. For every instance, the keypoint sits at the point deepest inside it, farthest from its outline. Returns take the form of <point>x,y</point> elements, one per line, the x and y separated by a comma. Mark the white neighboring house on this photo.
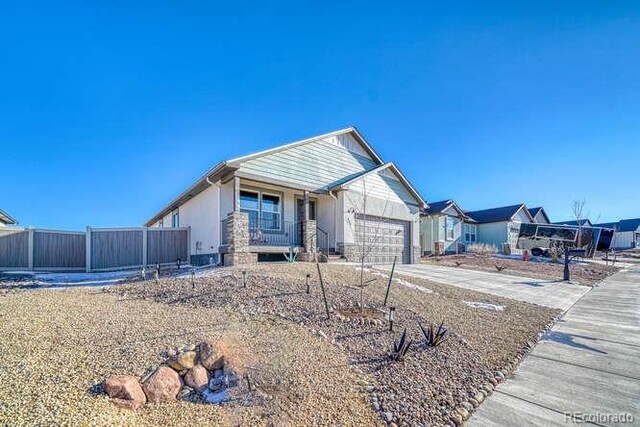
<point>334,183</point>
<point>500,226</point>
<point>446,229</point>
<point>5,219</point>
<point>627,233</point>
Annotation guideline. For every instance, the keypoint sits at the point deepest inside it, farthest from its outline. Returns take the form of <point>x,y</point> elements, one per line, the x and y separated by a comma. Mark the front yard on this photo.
<point>57,346</point>
<point>582,273</point>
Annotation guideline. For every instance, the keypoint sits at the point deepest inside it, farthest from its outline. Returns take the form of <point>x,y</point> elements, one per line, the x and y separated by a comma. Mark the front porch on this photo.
<point>263,218</point>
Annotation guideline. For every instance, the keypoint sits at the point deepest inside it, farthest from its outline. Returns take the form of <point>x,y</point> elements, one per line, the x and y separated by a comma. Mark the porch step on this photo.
<point>335,258</point>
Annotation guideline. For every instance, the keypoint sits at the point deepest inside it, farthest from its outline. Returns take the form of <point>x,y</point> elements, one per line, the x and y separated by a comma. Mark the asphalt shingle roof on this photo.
<point>504,213</point>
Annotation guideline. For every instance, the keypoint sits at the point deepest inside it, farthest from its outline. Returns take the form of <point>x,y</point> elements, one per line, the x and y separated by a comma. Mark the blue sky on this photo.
<point>108,110</point>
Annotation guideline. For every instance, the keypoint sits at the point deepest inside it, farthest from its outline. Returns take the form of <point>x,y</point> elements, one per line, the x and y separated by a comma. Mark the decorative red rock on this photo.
<point>163,385</point>
<point>197,378</point>
<point>125,391</point>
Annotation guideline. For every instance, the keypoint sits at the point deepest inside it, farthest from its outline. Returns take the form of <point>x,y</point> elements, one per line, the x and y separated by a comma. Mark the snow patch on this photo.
<point>413,286</point>
<point>485,305</point>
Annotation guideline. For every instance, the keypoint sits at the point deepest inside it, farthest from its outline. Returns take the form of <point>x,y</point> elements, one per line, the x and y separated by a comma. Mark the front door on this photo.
<point>300,214</point>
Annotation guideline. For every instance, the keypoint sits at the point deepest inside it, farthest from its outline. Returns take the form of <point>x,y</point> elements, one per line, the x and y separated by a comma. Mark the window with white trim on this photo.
<point>470,233</point>
<point>450,227</point>
<point>264,209</point>
<point>175,218</point>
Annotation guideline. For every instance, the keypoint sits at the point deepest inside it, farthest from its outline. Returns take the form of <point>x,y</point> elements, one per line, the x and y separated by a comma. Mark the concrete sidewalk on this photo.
<point>588,363</point>
<point>554,294</point>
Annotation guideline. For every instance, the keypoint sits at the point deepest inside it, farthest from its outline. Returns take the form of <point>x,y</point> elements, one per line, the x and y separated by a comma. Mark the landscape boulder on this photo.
<point>163,385</point>
<point>183,361</point>
<point>125,391</point>
<point>197,378</point>
<point>210,356</point>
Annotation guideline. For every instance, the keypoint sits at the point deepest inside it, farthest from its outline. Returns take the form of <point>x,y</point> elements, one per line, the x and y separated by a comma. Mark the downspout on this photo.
<point>335,220</point>
<point>219,212</point>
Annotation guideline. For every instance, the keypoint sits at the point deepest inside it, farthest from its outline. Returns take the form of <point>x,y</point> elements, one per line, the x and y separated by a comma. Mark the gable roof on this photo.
<point>352,130</point>
<point>504,213</point>
<point>6,218</point>
<point>629,224</point>
<point>613,225</point>
<point>226,167</point>
<point>441,206</point>
<point>537,210</point>
<point>395,170</point>
<point>580,222</point>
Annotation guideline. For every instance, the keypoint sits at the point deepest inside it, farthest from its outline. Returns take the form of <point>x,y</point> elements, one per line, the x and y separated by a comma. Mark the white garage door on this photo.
<point>384,239</point>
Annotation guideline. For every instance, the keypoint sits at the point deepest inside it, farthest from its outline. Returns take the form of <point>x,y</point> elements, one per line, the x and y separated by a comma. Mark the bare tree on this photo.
<point>367,236</point>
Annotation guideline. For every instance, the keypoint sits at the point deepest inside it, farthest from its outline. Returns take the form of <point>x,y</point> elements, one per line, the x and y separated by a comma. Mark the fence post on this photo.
<point>144,246</point>
<point>188,260</point>
<point>30,249</point>
<point>87,249</point>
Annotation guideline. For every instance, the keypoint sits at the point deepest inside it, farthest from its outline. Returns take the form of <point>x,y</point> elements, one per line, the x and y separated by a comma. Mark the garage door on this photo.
<point>384,239</point>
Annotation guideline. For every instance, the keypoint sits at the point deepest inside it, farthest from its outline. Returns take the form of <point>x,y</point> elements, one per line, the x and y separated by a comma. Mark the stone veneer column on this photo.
<point>308,240</point>
<point>238,238</point>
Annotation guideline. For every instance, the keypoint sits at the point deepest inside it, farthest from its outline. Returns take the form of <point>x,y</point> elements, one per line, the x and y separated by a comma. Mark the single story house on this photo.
<point>445,229</point>
<point>500,227</point>
<point>578,223</point>
<point>627,233</point>
<point>539,215</point>
<point>5,219</point>
<point>331,193</point>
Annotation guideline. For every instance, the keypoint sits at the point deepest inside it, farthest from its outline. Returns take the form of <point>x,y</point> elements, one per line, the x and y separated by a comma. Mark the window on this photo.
<point>175,219</point>
<point>449,227</point>
<point>470,233</point>
<point>264,209</point>
<point>250,204</point>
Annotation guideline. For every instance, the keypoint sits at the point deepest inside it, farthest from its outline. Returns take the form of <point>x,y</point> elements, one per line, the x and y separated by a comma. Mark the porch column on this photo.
<point>308,231</point>
<point>238,240</point>
<point>236,194</point>
<point>305,201</point>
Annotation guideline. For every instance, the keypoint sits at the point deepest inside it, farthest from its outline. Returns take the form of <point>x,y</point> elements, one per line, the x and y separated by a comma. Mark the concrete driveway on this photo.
<point>555,294</point>
<point>588,363</point>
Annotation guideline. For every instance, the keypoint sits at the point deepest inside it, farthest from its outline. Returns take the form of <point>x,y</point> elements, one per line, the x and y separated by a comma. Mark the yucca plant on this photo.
<point>401,348</point>
<point>434,337</point>
<point>292,256</point>
<point>500,267</point>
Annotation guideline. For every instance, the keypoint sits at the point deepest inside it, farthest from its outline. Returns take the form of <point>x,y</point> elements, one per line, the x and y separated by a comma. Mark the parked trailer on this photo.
<point>542,237</point>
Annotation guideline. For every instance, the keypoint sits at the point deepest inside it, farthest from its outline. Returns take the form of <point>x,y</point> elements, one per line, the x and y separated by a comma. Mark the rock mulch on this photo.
<point>58,346</point>
<point>432,386</point>
<point>588,274</point>
<point>195,373</point>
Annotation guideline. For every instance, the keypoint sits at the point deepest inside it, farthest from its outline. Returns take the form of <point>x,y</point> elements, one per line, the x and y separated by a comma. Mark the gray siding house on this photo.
<point>446,229</point>
<point>627,233</point>
<point>501,226</point>
<point>331,193</point>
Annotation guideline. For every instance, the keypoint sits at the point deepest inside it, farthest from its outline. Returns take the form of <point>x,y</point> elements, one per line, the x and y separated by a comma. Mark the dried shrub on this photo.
<point>482,249</point>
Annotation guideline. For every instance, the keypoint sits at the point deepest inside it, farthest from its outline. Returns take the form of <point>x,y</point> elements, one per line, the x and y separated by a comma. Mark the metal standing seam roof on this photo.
<point>629,224</point>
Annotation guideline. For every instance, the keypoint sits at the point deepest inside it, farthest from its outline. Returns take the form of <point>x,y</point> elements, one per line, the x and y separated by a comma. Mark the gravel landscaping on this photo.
<point>430,383</point>
<point>310,369</point>
<point>58,346</point>
<point>582,273</point>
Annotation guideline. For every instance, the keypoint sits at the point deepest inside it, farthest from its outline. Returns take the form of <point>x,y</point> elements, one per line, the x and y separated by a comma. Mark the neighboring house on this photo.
<point>578,223</point>
<point>331,192</point>
<point>445,228</point>
<point>627,233</point>
<point>539,215</point>
<point>5,219</point>
<point>498,226</point>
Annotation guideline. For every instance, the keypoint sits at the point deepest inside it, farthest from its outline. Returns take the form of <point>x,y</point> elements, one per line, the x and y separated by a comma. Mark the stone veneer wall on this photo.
<point>308,241</point>
<point>238,236</point>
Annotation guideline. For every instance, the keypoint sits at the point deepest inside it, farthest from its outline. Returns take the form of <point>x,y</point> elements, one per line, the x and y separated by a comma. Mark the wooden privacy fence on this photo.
<point>97,249</point>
